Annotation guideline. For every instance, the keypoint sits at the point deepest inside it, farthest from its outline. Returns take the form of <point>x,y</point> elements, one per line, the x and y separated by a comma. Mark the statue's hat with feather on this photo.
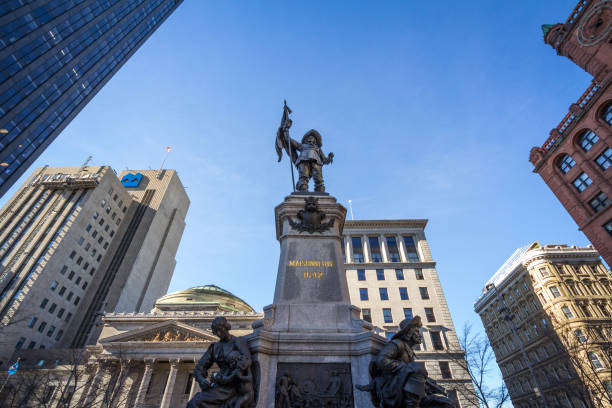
<point>316,135</point>
<point>406,325</point>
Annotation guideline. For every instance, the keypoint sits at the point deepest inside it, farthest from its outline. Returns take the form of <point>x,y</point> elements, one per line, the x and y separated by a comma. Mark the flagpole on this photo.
<point>165,157</point>
<point>8,375</point>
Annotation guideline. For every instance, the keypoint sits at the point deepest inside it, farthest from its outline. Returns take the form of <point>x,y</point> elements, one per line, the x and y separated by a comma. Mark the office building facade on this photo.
<point>391,276</point>
<point>575,160</point>
<point>76,242</point>
<point>54,57</point>
<point>547,312</point>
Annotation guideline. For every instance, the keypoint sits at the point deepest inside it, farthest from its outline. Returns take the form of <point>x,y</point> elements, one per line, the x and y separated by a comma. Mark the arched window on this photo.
<point>565,163</point>
<point>587,140</point>
<point>606,113</point>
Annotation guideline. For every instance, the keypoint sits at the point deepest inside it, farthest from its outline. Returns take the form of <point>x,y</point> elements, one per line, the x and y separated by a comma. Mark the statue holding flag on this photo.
<point>307,155</point>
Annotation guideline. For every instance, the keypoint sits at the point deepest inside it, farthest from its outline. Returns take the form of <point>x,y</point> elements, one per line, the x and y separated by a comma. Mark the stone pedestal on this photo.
<point>311,335</point>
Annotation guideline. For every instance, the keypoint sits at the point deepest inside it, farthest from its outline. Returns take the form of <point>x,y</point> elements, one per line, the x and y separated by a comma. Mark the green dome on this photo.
<point>206,297</point>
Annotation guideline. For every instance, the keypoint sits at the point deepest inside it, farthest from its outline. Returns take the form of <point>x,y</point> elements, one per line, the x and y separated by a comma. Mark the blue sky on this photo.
<point>431,109</point>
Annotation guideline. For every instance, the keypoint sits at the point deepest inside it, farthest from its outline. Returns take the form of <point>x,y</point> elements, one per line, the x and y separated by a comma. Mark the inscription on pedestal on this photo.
<point>316,385</point>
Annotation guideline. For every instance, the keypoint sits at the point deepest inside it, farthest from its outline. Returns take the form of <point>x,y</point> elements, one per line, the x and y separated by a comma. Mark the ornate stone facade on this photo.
<point>142,360</point>
<point>575,160</point>
<point>547,315</point>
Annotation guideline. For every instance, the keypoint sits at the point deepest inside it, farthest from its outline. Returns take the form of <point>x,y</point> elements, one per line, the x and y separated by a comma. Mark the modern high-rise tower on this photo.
<point>55,55</point>
<point>78,241</point>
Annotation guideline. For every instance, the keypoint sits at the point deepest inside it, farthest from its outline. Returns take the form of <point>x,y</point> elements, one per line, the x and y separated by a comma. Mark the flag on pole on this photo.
<point>13,369</point>
<point>168,148</point>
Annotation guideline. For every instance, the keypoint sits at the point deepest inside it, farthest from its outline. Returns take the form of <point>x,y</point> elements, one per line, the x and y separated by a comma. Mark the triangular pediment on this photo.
<point>169,331</point>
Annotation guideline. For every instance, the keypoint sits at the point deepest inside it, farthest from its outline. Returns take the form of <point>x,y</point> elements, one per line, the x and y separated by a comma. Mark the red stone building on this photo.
<point>576,160</point>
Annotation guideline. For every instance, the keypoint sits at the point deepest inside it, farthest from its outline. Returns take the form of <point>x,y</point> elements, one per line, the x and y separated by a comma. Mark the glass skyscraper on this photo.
<point>55,55</point>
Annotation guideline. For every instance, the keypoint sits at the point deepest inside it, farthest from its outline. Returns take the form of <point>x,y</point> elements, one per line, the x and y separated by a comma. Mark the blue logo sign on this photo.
<point>131,180</point>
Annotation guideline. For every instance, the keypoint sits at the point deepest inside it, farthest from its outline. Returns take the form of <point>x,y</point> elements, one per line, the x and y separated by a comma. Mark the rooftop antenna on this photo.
<point>159,173</point>
<point>351,208</point>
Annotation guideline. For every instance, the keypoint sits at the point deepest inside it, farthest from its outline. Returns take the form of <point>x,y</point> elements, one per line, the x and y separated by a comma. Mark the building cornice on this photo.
<point>389,265</point>
<point>369,224</point>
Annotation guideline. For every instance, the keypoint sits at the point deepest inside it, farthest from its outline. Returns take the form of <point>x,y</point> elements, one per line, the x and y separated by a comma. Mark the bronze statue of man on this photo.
<point>310,159</point>
<point>232,386</point>
<point>397,380</point>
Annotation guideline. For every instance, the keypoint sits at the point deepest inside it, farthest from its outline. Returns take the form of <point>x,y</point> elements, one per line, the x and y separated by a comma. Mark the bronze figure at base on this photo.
<point>232,386</point>
<point>397,381</point>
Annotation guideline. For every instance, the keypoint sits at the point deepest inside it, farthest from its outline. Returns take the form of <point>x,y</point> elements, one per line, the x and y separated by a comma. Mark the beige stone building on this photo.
<point>77,241</point>
<point>391,275</point>
<point>143,360</point>
<point>547,312</point>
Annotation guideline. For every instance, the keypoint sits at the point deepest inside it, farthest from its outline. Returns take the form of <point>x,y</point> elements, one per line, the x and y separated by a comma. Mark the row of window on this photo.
<point>376,251</point>
<point>388,317</point>
<point>384,295</point>
<point>380,274</point>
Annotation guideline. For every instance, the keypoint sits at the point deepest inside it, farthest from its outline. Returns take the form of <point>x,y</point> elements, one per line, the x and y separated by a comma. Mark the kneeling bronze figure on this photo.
<point>397,381</point>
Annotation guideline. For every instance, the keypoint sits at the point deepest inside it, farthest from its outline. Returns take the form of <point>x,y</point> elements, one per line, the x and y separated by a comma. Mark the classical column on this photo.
<point>349,249</point>
<point>382,243</point>
<point>144,383</point>
<point>194,388</point>
<point>94,387</point>
<point>165,403</point>
<point>365,244</point>
<point>401,248</point>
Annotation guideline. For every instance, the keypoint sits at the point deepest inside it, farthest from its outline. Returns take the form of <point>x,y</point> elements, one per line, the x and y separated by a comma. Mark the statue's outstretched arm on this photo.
<point>329,159</point>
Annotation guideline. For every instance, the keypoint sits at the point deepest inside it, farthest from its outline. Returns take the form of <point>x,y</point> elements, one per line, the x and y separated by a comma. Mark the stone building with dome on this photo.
<point>141,360</point>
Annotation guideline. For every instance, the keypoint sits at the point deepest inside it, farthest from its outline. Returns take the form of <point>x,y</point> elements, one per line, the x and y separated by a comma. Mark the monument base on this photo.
<point>316,368</point>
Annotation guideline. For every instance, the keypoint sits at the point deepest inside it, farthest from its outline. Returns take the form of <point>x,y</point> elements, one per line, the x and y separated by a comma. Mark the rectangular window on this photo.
<point>436,340</point>
<point>94,234</point>
<point>407,313</point>
<point>32,322</point>
<point>393,250</point>
<point>608,227</point>
<point>411,251</point>
<point>43,304</point>
<point>77,300</point>
<point>387,315</point>
<point>544,272</point>
<point>32,345</point>
<point>445,369</point>
<point>424,293</point>
<point>64,269</point>
<point>87,246</point>
<point>80,241</point>
<point>95,215</point>
<point>62,291</point>
<point>69,296</point>
<point>383,294</point>
<point>605,159</point>
<point>567,312</point>
<point>52,308</point>
<point>403,293</point>
<point>594,361</point>
<point>19,344</point>
<point>77,281</point>
<point>555,291</point>
<point>72,254</point>
<point>51,331</point>
<point>361,274</point>
<point>429,314</point>
<point>61,312</point>
<point>53,285</point>
<point>357,250</point>
<point>80,260</point>
<point>366,315</point>
<point>582,182</point>
<point>88,227</point>
<point>59,335</point>
<point>71,275</point>
<point>399,274</point>
<point>600,202</point>
<point>380,274</point>
<point>363,293</point>
<point>418,273</point>
<point>375,249</point>
<point>68,316</point>
<point>41,327</point>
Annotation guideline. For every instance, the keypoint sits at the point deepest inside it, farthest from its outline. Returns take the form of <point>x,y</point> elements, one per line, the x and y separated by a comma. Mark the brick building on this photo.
<point>575,160</point>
